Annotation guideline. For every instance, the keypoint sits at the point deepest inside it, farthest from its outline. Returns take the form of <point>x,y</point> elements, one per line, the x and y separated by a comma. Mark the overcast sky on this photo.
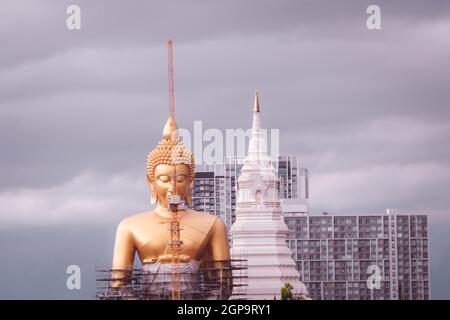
<point>368,112</point>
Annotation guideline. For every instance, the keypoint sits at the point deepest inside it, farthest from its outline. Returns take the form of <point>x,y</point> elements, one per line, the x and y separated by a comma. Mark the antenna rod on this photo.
<point>171,94</point>
<point>175,239</point>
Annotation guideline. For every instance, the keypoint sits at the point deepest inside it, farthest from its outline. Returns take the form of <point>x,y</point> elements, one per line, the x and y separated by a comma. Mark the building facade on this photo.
<point>361,257</point>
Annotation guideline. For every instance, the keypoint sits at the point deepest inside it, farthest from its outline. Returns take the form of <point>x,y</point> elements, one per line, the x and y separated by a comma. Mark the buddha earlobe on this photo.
<point>189,193</point>
<point>154,198</point>
<point>188,198</point>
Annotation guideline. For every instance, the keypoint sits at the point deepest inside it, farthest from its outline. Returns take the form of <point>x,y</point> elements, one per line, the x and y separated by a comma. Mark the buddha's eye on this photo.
<point>181,178</point>
<point>164,178</point>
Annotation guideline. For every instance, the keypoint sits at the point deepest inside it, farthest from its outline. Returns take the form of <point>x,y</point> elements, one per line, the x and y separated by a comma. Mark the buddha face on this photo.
<point>169,180</point>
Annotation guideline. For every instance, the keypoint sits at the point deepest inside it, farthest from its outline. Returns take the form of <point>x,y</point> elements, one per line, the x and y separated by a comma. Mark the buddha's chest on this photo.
<point>156,240</point>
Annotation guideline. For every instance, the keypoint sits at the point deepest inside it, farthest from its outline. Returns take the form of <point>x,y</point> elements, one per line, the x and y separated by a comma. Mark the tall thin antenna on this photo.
<point>171,94</point>
<point>174,227</point>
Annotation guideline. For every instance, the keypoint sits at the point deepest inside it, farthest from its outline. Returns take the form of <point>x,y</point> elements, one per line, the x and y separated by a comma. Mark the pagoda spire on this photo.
<point>257,150</point>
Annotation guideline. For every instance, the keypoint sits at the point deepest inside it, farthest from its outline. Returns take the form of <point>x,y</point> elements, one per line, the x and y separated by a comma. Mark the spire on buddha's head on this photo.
<point>256,105</point>
<point>170,128</point>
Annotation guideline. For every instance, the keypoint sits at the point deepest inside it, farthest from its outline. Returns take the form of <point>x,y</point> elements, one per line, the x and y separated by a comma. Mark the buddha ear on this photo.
<point>153,198</point>
<point>189,194</point>
<point>188,199</point>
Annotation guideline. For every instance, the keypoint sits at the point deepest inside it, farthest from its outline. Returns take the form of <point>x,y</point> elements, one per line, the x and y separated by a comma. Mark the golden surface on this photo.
<point>203,236</point>
<point>170,150</point>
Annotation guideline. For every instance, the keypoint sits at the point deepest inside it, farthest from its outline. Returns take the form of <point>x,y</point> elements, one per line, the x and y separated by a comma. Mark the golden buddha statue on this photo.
<point>170,172</point>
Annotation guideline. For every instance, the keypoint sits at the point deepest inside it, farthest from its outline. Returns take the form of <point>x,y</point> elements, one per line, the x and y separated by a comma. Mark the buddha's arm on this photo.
<point>220,254</point>
<point>123,258</point>
<point>219,247</point>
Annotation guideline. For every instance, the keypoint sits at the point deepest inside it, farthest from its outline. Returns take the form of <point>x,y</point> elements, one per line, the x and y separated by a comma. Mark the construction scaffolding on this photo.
<point>218,280</point>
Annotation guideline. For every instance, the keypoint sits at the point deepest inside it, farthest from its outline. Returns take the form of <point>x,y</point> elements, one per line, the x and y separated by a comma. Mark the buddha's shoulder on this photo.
<point>206,220</point>
<point>136,219</point>
<point>202,215</point>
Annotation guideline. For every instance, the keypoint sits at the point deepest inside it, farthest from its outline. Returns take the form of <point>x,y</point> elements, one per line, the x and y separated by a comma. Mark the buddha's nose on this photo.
<point>171,188</point>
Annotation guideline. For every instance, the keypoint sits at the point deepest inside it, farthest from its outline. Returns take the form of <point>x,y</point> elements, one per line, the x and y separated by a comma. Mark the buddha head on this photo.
<point>170,168</point>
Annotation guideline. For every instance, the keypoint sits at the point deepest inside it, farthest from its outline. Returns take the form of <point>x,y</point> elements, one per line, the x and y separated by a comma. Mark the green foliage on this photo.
<point>286,292</point>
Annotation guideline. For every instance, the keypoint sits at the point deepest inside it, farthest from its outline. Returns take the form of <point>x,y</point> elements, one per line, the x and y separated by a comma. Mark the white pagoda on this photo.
<point>259,233</point>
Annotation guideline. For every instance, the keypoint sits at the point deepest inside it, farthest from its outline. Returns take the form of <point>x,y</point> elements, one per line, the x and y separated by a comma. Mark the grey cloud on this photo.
<point>345,98</point>
<point>40,26</point>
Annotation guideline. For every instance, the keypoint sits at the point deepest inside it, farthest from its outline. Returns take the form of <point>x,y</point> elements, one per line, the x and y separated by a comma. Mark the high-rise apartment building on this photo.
<point>383,256</point>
